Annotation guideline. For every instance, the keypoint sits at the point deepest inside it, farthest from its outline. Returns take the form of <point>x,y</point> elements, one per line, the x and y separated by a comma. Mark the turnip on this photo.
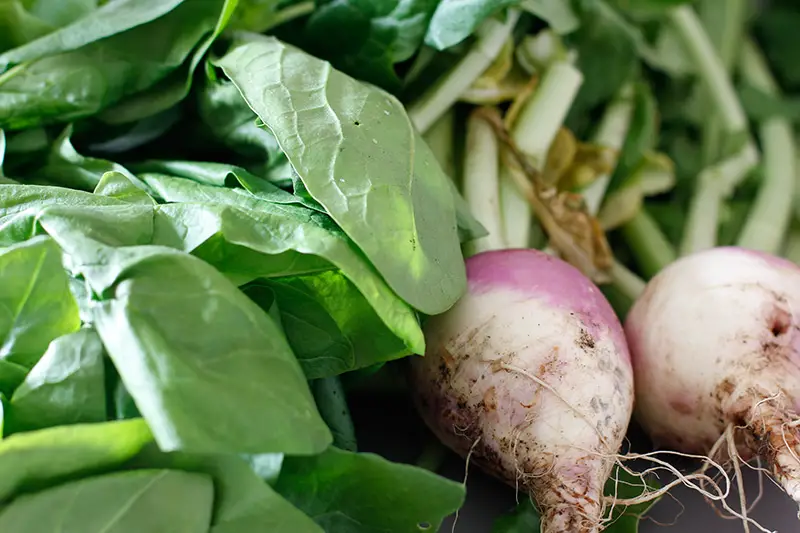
<point>529,375</point>
<point>715,345</point>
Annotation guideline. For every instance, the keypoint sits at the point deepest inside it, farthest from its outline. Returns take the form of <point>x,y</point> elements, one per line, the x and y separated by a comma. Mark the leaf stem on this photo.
<point>482,183</point>
<point>715,183</point>
<point>611,133</point>
<point>709,68</point>
<point>770,216</point>
<point>724,23</point>
<point>443,94</point>
<point>533,133</point>
<point>648,243</point>
<point>626,282</point>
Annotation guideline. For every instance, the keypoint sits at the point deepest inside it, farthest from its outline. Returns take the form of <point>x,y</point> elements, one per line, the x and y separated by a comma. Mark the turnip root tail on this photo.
<point>776,438</point>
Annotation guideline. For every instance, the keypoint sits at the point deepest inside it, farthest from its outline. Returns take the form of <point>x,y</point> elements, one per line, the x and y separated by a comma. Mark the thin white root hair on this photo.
<point>466,475</point>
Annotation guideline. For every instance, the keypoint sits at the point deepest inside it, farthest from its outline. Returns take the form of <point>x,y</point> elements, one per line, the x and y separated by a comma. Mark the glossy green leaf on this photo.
<point>371,36</point>
<point>109,19</point>
<point>268,228</point>
<point>208,369</point>
<point>332,403</point>
<point>176,87</point>
<point>156,501</point>
<point>362,492</point>
<point>455,20</point>
<point>67,386</point>
<point>18,25</point>
<point>36,304</point>
<point>33,460</point>
<point>82,82</point>
<point>359,156</point>
<point>330,325</point>
<point>11,375</point>
<point>243,502</point>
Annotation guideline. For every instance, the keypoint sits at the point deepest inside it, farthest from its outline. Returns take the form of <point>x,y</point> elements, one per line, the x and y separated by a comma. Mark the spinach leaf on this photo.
<point>359,156</point>
<point>157,501</point>
<point>109,19</point>
<point>11,375</point>
<point>268,228</point>
<point>173,89</point>
<point>230,120</point>
<point>209,371</point>
<point>33,460</point>
<point>330,325</point>
<point>243,503</point>
<point>361,492</point>
<point>61,12</point>
<point>36,304</point>
<point>79,83</point>
<point>122,186</point>
<point>332,403</point>
<point>370,35</point>
<point>455,20</point>
<point>67,386</point>
<point>19,26</point>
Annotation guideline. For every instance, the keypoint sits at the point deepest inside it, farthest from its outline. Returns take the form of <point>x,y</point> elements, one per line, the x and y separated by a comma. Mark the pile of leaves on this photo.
<point>215,214</point>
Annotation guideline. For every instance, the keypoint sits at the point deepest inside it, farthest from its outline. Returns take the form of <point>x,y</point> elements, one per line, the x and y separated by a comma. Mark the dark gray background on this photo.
<point>387,424</point>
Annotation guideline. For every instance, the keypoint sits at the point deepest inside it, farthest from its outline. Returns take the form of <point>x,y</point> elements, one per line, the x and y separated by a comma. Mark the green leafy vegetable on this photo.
<point>363,492</point>
<point>67,386</point>
<point>36,305</point>
<point>33,460</point>
<point>359,156</point>
<point>371,35</point>
<point>160,500</point>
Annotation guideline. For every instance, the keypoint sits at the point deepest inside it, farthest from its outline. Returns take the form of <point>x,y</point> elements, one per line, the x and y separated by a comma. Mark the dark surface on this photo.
<point>389,425</point>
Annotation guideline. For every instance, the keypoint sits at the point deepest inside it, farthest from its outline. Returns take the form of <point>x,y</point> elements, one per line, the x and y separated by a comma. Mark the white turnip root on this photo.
<point>529,375</point>
<point>715,345</point>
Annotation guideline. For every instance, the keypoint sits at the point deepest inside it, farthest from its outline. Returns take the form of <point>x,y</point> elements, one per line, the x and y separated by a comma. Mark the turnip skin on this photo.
<point>525,310</point>
<point>715,341</point>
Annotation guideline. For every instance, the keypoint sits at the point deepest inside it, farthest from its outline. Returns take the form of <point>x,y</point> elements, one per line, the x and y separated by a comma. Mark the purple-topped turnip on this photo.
<point>529,374</point>
<point>715,343</point>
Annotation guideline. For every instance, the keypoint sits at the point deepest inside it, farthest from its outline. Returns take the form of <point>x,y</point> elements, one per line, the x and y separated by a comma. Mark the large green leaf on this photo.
<point>208,369</point>
<point>359,156</point>
<point>243,503</point>
<point>296,233</point>
<point>36,304</point>
<point>82,82</point>
<point>110,19</point>
<point>364,493</point>
<point>155,501</point>
<point>330,325</point>
<point>176,87</point>
<point>33,460</point>
<point>67,386</point>
<point>371,36</point>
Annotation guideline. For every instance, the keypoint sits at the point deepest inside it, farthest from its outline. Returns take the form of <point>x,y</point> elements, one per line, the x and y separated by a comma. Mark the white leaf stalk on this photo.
<point>771,214</point>
<point>533,133</point>
<point>442,95</point>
